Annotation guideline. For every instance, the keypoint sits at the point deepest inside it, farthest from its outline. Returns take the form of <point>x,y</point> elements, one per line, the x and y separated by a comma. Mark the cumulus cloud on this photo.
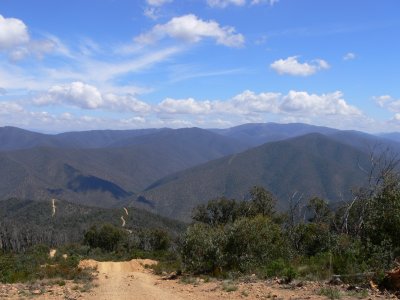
<point>17,43</point>
<point>86,96</point>
<point>324,109</point>
<point>13,32</point>
<point>349,56</point>
<point>325,104</point>
<point>184,106</point>
<point>191,29</point>
<point>245,103</point>
<point>250,103</point>
<point>291,66</point>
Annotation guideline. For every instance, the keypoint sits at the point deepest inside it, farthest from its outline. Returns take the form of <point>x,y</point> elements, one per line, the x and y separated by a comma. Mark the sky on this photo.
<point>123,64</point>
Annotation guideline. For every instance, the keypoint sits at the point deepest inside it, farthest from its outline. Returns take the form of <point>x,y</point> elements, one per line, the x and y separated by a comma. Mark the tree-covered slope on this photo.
<point>312,165</point>
<point>25,222</point>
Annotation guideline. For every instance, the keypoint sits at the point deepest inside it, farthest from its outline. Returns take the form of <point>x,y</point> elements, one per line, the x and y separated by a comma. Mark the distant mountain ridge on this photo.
<point>13,138</point>
<point>169,171</point>
<point>103,176</point>
<point>256,134</point>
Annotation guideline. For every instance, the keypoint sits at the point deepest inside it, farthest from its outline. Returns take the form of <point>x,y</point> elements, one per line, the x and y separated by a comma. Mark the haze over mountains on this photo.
<point>170,171</point>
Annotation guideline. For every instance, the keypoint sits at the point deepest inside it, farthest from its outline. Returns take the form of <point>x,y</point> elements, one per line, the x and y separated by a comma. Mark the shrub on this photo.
<point>243,245</point>
<point>312,238</point>
<point>107,238</point>
<point>202,248</point>
<point>252,242</point>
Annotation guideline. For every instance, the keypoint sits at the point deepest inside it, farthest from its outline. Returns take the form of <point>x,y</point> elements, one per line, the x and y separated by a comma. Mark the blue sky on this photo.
<point>95,64</point>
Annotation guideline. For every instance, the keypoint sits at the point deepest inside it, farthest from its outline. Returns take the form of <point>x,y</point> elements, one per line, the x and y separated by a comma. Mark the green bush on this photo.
<point>278,268</point>
<point>202,248</point>
<point>252,242</point>
<point>35,264</point>
<point>243,245</point>
<point>107,238</point>
<point>312,238</point>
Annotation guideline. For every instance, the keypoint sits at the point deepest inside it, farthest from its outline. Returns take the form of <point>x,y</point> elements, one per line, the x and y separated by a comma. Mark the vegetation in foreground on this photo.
<point>358,241</point>
<point>36,264</point>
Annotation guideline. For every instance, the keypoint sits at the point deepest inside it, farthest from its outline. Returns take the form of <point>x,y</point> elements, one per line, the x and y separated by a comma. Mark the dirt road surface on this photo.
<point>126,280</point>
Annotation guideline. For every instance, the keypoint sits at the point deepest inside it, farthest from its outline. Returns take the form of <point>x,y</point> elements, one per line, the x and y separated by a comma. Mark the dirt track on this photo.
<point>126,280</point>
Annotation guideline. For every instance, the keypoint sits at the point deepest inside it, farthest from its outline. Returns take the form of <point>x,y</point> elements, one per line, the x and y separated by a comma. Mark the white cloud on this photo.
<point>76,94</point>
<point>16,42</point>
<point>13,32</point>
<point>102,72</point>
<point>191,29</point>
<point>250,103</point>
<point>10,108</point>
<point>75,66</point>
<point>81,95</point>
<point>245,103</point>
<point>325,104</point>
<point>396,117</point>
<point>383,100</point>
<point>349,56</point>
<point>153,10</point>
<point>322,109</point>
<point>388,102</point>
<point>157,2</point>
<point>151,13</point>
<point>184,106</point>
<point>291,66</point>
<point>124,102</point>
<point>225,3</point>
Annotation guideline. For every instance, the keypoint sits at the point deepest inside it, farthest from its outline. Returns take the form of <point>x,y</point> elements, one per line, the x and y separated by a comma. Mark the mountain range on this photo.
<point>170,171</point>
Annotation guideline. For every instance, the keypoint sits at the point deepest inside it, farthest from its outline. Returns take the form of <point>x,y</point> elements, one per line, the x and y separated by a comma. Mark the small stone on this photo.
<point>36,292</point>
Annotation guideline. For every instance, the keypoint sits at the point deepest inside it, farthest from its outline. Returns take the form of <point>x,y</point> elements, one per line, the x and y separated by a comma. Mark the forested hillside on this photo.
<point>24,223</point>
<point>311,165</point>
